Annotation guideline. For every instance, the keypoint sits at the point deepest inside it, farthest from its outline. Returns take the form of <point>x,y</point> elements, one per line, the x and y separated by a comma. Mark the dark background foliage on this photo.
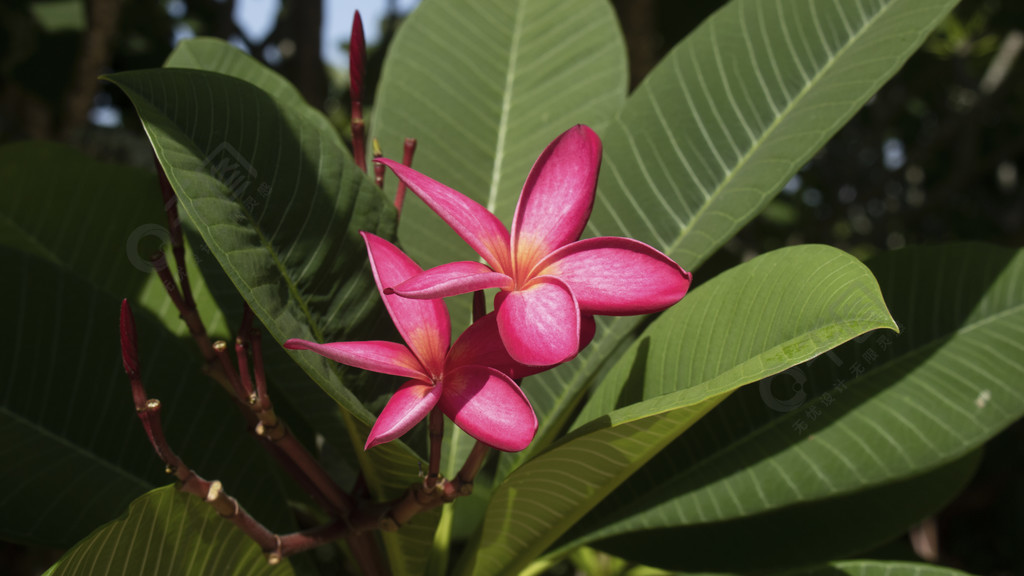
<point>934,157</point>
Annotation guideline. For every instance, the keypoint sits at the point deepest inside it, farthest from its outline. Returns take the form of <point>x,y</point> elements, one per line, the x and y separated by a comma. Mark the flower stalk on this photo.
<point>407,154</point>
<point>181,296</point>
<point>378,171</point>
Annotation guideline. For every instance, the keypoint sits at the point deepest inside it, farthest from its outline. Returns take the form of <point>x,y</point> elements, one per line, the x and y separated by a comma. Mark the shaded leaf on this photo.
<point>787,537</point>
<point>882,410</point>
<point>81,454</point>
<point>275,197</point>
<point>755,320</point>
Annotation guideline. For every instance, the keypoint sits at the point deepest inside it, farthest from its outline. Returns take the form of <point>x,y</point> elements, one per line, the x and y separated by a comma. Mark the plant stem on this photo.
<point>436,430</point>
<point>188,313</point>
<point>378,168</point>
<point>410,149</point>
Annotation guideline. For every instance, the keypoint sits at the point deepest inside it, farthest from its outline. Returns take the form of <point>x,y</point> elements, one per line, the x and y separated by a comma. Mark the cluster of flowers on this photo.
<point>551,285</point>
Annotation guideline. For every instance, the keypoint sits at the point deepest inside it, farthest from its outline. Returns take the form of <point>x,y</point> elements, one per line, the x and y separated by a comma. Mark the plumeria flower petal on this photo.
<point>545,312</point>
<point>555,279</point>
<point>604,274</point>
<point>489,407</point>
<point>423,324</point>
<point>410,404</point>
<point>557,198</point>
<point>451,280</point>
<point>375,356</point>
<point>470,382</point>
<point>474,223</point>
<point>480,345</point>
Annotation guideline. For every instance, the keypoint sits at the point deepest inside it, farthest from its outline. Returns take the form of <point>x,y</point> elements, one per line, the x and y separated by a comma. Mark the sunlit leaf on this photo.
<point>755,320</point>
<point>172,533</point>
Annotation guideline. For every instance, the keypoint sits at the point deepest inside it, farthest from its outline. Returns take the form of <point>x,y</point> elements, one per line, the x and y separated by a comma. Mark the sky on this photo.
<point>256,19</point>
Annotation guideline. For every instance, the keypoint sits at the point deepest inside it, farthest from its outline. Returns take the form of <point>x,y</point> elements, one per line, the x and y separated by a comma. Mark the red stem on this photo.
<point>436,430</point>
<point>410,149</point>
<point>174,227</point>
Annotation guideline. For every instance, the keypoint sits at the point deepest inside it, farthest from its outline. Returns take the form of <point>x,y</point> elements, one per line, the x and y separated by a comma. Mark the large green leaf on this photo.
<point>484,87</point>
<point>273,193</point>
<point>172,533</point>
<point>755,320</point>
<point>788,537</point>
<point>288,237</point>
<point>719,126</point>
<point>216,55</point>
<point>287,378</point>
<point>78,453</point>
<point>882,410</point>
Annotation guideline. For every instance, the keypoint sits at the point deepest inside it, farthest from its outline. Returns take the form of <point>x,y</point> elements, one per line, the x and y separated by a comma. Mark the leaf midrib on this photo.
<point>756,433</point>
<point>506,108</point>
<point>773,127</point>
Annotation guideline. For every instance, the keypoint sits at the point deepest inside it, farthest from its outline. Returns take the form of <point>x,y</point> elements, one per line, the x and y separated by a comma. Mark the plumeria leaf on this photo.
<point>879,411</point>
<point>168,533</point>
<point>784,539</point>
<point>67,404</point>
<point>718,127</point>
<point>755,320</point>
<point>268,186</point>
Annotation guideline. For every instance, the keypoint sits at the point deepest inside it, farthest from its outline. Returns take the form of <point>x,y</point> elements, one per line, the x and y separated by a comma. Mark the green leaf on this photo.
<point>216,55</point>
<point>757,319</point>
<point>716,130</point>
<point>276,211</point>
<point>270,188</point>
<point>167,532</point>
<point>718,127</point>
<point>79,453</point>
<point>882,410</point>
<point>484,87</point>
<point>788,537</point>
<point>878,568</point>
<point>61,196</point>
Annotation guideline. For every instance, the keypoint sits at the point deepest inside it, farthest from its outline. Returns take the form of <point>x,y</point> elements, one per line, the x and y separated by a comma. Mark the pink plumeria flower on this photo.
<point>469,382</point>
<point>550,281</point>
